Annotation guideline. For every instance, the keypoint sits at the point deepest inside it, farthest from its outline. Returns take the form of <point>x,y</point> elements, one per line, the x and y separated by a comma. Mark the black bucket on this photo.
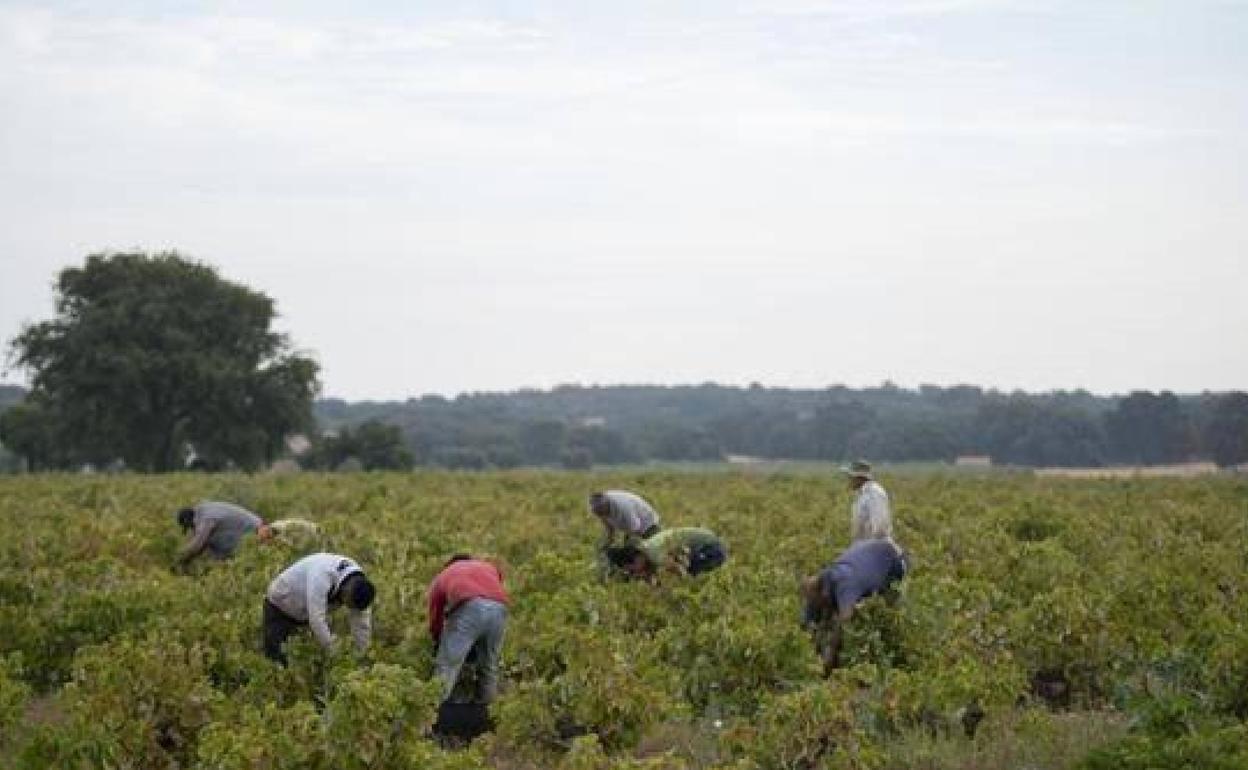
<point>461,722</point>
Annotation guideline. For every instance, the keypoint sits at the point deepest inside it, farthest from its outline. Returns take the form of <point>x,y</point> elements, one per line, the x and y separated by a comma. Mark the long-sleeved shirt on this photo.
<point>863,569</point>
<point>309,588</point>
<point>629,513</point>
<point>870,518</point>
<point>661,548</point>
<point>219,527</point>
<point>459,582</point>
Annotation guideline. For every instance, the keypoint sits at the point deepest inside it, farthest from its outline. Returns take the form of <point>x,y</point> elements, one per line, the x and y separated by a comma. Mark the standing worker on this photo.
<point>681,550</point>
<point>869,515</point>
<point>304,594</point>
<point>218,528</point>
<point>624,512</point>
<point>865,568</point>
<point>468,607</point>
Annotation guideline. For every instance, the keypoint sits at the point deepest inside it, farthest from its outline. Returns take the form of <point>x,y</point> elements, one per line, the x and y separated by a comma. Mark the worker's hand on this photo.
<point>676,563</point>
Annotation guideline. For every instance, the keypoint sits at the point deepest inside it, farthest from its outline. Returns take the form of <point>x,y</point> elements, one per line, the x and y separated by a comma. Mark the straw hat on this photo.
<point>858,468</point>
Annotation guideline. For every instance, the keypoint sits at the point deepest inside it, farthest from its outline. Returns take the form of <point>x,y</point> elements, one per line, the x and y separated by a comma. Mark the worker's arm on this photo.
<point>361,629</point>
<point>608,534</point>
<point>860,516</point>
<point>437,606</point>
<point>317,598</point>
<point>676,561</point>
<point>198,542</point>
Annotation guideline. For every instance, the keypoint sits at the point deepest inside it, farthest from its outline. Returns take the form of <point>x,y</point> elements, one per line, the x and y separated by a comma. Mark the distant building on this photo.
<point>592,422</point>
<point>973,461</point>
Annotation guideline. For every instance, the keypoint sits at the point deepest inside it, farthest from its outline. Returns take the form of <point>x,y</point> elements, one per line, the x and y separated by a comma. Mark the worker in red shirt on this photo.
<point>467,607</point>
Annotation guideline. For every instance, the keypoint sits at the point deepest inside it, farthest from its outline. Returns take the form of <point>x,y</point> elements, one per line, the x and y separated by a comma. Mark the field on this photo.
<point>1096,624</point>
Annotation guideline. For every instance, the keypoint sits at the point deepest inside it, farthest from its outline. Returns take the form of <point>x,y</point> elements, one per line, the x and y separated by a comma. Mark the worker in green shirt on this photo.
<point>681,550</point>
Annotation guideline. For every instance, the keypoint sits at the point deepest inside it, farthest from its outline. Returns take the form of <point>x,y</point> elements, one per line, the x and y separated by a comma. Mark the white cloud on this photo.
<point>708,172</point>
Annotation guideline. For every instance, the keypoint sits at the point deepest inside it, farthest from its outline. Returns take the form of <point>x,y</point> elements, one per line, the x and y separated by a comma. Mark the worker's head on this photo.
<point>186,518</point>
<point>810,588</point>
<point>600,505</point>
<point>816,594</point>
<point>858,472</point>
<point>457,557</point>
<point>630,559</point>
<point>265,533</point>
<point>357,591</point>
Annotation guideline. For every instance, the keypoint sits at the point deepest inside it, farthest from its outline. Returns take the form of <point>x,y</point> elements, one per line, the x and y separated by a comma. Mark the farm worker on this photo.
<point>218,528</point>
<point>869,516</point>
<point>468,608</point>
<point>681,550</point>
<point>624,512</point>
<point>866,568</point>
<point>305,592</point>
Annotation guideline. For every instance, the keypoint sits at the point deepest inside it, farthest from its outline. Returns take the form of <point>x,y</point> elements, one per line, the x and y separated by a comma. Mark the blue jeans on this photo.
<point>478,622</point>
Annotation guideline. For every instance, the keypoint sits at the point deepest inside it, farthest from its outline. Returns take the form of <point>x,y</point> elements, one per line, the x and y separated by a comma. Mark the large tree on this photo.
<point>153,358</point>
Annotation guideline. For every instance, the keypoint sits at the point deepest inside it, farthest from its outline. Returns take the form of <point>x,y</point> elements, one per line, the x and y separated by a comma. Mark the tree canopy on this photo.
<point>155,360</point>
<point>572,425</point>
<point>374,445</point>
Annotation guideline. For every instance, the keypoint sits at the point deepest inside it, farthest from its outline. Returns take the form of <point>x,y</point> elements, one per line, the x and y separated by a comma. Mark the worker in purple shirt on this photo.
<point>866,568</point>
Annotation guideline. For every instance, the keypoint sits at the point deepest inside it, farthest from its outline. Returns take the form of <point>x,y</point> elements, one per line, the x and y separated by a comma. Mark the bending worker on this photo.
<point>624,512</point>
<point>218,528</point>
<point>865,568</point>
<point>304,594</point>
<point>681,550</point>
<point>467,608</point>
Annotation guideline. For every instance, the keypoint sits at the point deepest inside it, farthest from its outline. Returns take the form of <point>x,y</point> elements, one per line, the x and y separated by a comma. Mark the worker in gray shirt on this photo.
<point>865,568</point>
<point>217,528</point>
<point>304,594</point>
<point>624,513</point>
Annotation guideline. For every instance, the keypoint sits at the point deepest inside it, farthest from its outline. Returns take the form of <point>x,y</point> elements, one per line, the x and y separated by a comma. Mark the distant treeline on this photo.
<point>577,427</point>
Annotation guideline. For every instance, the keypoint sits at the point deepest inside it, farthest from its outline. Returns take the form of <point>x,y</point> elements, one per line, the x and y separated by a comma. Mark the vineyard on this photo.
<point>1047,623</point>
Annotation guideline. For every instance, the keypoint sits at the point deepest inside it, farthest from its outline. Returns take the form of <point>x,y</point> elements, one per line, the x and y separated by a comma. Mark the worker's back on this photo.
<point>863,569</point>
<point>229,523</point>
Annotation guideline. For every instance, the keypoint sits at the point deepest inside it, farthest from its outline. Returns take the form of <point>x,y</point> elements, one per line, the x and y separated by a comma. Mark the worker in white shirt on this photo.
<point>870,518</point>
<point>625,513</point>
<point>304,594</point>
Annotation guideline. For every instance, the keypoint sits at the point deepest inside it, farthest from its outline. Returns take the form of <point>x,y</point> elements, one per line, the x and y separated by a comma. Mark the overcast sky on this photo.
<point>491,195</point>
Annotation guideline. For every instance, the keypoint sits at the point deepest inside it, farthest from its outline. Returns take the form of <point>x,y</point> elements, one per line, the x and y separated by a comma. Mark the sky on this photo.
<point>449,197</point>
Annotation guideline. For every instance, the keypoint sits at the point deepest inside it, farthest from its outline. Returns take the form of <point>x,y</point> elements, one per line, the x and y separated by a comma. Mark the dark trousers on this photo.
<point>278,626</point>
<point>706,558</point>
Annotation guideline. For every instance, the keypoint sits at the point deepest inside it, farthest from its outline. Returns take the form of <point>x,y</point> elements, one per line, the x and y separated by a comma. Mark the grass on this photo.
<point>1020,740</point>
